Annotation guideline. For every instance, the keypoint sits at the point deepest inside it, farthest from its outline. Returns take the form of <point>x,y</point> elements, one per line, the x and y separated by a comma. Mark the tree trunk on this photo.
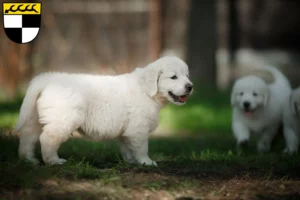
<point>202,41</point>
<point>154,29</point>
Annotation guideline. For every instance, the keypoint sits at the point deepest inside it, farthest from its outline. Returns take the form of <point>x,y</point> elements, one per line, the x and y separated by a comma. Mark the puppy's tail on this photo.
<point>279,78</point>
<point>28,106</point>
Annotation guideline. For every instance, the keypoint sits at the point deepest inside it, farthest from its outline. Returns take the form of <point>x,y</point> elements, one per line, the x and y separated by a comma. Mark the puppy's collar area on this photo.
<point>179,99</point>
<point>160,100</point>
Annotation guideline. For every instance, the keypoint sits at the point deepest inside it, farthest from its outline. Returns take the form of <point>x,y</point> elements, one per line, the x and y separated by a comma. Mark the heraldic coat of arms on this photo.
<point>22,21</point>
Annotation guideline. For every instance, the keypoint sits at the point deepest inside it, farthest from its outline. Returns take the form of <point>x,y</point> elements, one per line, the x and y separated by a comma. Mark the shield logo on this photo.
<point>22,21</point>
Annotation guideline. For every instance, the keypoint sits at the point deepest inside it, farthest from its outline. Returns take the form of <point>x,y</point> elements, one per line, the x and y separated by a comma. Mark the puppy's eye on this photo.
<point>174,77</point>
<point>254,94</point>
<point>242,93</point>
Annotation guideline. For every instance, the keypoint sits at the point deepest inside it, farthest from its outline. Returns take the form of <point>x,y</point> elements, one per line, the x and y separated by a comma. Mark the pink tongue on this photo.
<point>249,114</point>
<point>183,98</point>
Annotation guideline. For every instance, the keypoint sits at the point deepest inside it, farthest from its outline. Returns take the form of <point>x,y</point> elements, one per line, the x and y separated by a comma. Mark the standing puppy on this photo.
<point>291,120</point>
<point>258,107</point>
<point>125,107</point>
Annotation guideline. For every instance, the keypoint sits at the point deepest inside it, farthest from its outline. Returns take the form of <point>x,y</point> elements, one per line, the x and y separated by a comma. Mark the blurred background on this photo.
<point>219,40</point>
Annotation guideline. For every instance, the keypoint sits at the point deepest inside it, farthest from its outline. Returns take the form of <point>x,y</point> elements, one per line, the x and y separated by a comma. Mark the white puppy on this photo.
<point>125,107</point>
<point>291,120</point>
<point>258,107</point>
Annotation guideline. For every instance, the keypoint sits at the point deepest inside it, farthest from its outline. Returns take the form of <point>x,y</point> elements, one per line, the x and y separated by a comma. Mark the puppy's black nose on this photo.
<point>247,104</point>
<point>189,87</point>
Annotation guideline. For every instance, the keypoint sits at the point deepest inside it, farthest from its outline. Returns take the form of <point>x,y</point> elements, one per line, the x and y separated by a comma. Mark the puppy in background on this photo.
<point>258,108</point>
<point>124,107</point>
<point>291,120</point>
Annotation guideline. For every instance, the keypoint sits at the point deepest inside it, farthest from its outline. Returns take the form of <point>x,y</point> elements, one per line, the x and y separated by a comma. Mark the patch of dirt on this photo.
<point>159,187</point>
<point>65,189</point>
<point>223,190</point>
<point>251,189</point>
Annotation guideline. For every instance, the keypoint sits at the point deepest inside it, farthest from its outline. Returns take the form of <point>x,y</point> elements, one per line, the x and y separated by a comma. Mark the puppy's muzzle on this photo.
<point>189,87</point>
<point>247,105</point>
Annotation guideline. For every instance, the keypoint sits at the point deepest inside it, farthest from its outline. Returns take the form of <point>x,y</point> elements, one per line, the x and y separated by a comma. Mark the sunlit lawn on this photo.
<point>199,159</point>
<point>198,164</point>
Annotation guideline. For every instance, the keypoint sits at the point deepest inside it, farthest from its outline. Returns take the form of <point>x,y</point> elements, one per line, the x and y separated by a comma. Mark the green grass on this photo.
<point>183,156</point>
<point>184,163</point>
<point>202,161</point>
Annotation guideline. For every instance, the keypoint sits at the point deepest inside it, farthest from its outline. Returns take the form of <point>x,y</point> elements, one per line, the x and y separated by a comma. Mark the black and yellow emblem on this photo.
<point>22,21</point>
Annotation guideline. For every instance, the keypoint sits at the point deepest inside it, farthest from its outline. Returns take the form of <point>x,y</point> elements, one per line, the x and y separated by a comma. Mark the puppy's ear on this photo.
<point>149,79</point>
<point>294,104</point>
<point>266,95</point>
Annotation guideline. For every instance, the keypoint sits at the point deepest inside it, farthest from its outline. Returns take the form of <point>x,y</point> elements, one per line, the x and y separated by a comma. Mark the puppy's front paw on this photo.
<point>263,148</point>
<point>58,161</point>
<point>290,151</point>
<point>154,163</point>
<point>33,161</point>
<point>147,161</point>
<point>61,161</point>
<point>286,150</point>
<point>243,144</point>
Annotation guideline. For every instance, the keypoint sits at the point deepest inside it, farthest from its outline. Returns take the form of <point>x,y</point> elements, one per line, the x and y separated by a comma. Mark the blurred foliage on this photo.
<point>9,112</point>
<point>207,110</point>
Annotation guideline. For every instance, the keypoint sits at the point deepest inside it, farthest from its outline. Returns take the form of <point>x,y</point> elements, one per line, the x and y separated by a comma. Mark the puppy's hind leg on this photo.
<point>265,141</point>
<point>50,140</point>
<point>127,153</point>
<point>291,140</point>
<point>53,135</point>
<point>61,112</point>
<point>29,136</point>
<point>28,141</point>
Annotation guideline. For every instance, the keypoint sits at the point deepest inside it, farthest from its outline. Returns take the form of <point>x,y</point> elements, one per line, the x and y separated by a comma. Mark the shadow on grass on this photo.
<point>207,154</point>
<point>200,158</point>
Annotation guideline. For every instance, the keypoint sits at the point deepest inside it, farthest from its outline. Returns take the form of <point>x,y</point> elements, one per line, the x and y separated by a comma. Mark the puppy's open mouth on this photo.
<point>249,112</point>
<point>180,99</point>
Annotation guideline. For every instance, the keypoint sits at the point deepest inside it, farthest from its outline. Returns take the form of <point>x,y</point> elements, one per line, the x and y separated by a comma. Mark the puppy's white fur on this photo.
<point>264,115</point>
<point>291,121</point>
<point>100,107</point>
